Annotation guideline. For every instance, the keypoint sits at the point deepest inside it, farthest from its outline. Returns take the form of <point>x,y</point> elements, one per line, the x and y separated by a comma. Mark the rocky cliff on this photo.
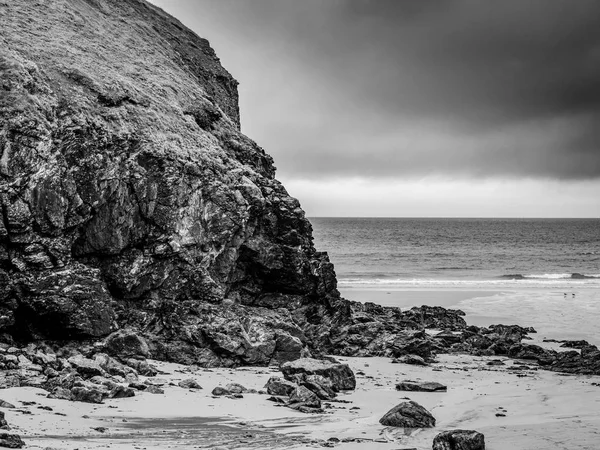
<point>130,198</point>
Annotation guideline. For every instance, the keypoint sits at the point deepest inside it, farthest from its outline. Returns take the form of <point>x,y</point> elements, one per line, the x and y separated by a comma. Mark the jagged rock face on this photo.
<point>130,197</point>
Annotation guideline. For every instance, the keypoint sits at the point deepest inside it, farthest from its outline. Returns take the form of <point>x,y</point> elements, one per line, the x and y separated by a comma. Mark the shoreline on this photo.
<point>542,409</point>
<point>546,309</point>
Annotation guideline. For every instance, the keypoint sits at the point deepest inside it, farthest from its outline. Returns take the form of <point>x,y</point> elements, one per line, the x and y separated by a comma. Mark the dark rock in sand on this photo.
<point>408,415</point>
<point>3,422</point>
<point>420,386</point>
<point>340,375</point>
<point>586,362</point>
<point>303,396</point>
<point>190,383</point>
<point>153,389</point>
<point>112,366</point>
<point>280,386</point>
<point>321,386</point>
<point>575,344</point>
<point>459,440</point>
<point>87,368</point>
<point>11,441</point>
<point>142,367</point>
<point>87,394</point>
<point>61,393</point>
<point>236,388</point>
<point>529,351</point>
<point>120,391</point>
<point>218,391</point>
<point>410,359</point>
<point>5,404</point>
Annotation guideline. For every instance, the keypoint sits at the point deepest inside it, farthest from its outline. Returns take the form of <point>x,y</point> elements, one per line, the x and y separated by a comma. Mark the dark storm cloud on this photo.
<point>394,88</point>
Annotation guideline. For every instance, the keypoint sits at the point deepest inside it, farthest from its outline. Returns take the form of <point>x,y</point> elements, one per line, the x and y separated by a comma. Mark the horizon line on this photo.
<point>450,217</point>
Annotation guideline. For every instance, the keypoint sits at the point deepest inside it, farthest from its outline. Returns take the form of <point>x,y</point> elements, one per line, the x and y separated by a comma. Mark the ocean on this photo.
<point>543,273</point>
<point>461,252</point>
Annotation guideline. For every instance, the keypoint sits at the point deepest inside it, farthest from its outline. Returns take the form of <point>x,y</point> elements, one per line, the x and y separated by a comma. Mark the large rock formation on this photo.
<point>130,198</point>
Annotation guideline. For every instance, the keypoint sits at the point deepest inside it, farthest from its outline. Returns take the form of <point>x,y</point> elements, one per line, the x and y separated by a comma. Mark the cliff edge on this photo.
<point>130,198</point>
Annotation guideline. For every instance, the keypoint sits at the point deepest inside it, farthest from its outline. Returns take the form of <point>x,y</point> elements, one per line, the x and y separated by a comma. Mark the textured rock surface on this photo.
<point>421,386</point>
<point>408,415</point>
<point>129,197</point>
<point>459,440</point>
<point>340,376</point>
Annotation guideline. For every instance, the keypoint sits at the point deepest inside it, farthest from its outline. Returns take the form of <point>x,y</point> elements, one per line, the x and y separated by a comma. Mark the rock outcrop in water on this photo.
<point>130,198</point>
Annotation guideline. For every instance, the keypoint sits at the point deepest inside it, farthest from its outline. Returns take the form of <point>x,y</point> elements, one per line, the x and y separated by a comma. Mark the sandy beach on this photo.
<point>542,410</point>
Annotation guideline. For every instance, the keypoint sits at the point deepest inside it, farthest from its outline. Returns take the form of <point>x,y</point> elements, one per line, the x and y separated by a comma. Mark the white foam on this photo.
<point>554,282</point>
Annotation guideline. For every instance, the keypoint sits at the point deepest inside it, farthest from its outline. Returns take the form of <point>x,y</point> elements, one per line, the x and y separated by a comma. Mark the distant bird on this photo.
<point>573,295</point>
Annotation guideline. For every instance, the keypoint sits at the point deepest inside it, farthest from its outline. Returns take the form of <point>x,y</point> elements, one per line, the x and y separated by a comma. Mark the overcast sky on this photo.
<point>418,107</point>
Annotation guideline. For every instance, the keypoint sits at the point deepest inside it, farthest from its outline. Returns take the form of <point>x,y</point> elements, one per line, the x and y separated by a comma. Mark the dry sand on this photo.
<point>544,410</point>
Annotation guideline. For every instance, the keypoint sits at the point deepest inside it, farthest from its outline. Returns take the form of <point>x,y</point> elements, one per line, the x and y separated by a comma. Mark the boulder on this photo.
<point>410,359</point>
<point>61,393</point>
<point>408,415</point>
<point>340,375</point>
<point>189,383</point>
<point>112,366</point>
<point>87,394</point>
<point>127,343</point>
<point>321,386</point>
<point>236,388</point>
<point>529,351</point>
<point>420,386</point>
<point>87,368</point>
<point>120,391</point>
<point>280,386</point>
<point>142,367</point>
<point>303,397</point>
<point>575,344</point>
<point>459,440</point>
<point>11,441</point>
<point>153,389</point>
<point>3,422</point>
<point>436,317</point>
<point>413,342</point>
<point>218,391</point>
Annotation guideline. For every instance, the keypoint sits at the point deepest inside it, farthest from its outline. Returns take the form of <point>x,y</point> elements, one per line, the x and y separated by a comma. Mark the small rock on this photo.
<point>408,415</point>
<point>304,397</point>
<point>86,394</point>
<point>279,386</point>
<point>190,383</point>
<point>120,391</point>
<point>11,441</point>
<point>154,389</point>
<point>341,376</point>
<point>420,386</point>
<point>5,404</point>
<point>236,388</point>
<point>415,360</point>
<point>459,440</point>
<point>218,391</point>
<point>127,343</point>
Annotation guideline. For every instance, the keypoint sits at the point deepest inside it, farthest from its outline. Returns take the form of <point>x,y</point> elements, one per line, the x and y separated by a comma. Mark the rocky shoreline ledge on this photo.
<point>116,368</point>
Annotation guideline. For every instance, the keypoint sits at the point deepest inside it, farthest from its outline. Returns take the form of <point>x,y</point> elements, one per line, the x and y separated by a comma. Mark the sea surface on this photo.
<point>461,252</point>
